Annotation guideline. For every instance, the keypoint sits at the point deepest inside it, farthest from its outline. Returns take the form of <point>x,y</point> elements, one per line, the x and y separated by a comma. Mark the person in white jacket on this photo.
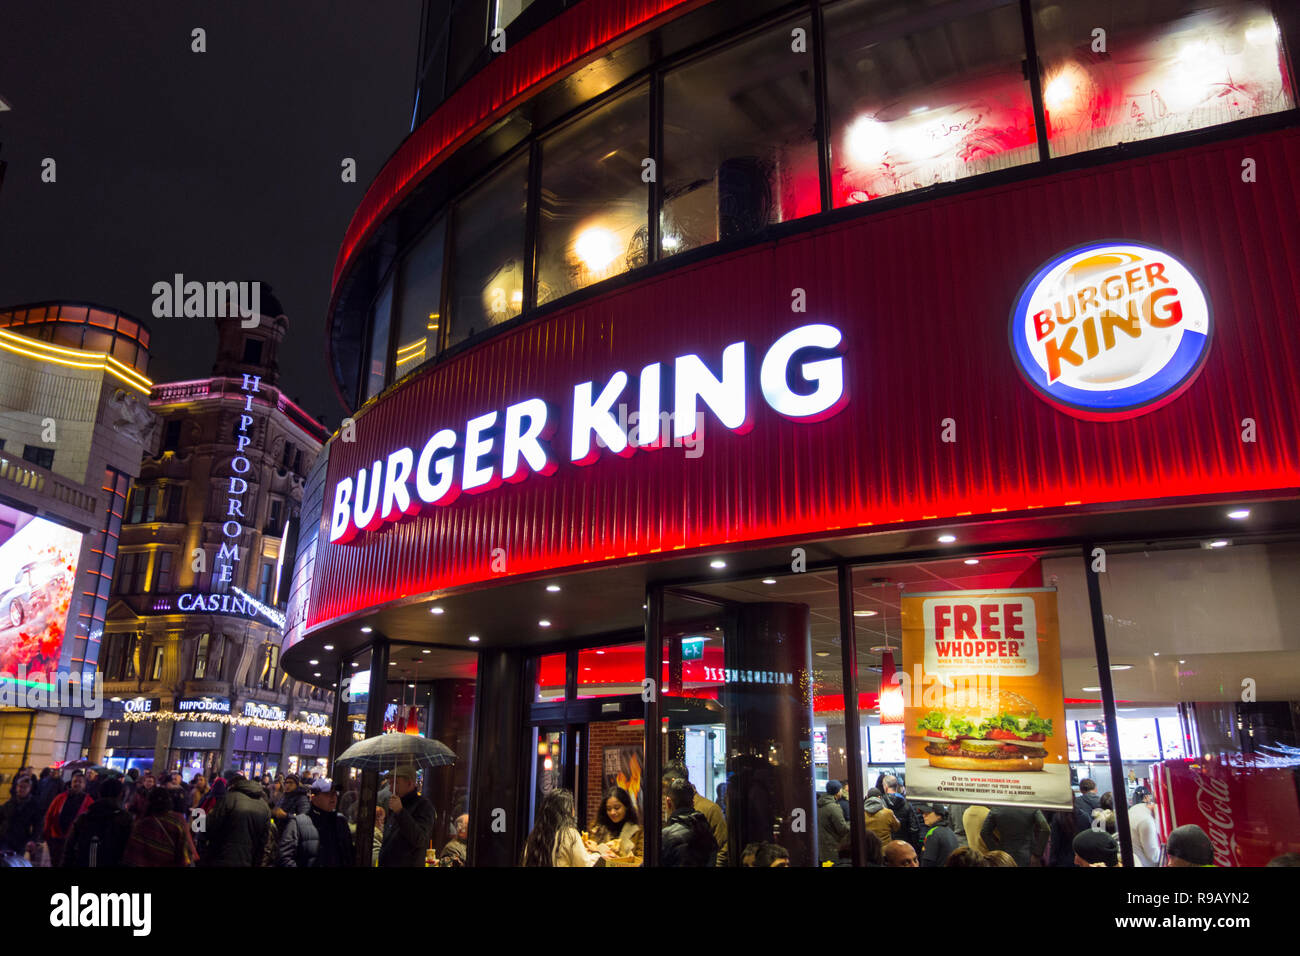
<point>1142,827</point>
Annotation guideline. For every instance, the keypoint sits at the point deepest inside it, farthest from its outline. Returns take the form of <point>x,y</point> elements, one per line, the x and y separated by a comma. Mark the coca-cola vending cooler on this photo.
<point>1250,809</point>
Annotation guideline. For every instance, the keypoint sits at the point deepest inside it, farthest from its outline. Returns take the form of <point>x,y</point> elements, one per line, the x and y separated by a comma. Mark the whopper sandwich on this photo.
<point>999,731</point>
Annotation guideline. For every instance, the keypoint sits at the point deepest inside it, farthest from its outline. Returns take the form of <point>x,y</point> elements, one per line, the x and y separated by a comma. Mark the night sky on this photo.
<point>222,165</point>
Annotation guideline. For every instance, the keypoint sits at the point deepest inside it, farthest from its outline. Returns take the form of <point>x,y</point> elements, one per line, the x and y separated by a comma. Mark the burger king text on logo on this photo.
<point>1110,330</point>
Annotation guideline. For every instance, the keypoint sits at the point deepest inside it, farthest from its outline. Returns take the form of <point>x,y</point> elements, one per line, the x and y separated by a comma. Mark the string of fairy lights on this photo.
<point>300,726</point>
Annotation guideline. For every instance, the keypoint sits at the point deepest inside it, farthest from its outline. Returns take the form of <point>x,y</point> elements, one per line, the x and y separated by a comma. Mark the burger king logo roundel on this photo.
<point>1111,330</point>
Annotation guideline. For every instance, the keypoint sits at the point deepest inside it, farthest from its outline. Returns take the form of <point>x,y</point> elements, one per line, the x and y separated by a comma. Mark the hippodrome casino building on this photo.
<point>912,298</point>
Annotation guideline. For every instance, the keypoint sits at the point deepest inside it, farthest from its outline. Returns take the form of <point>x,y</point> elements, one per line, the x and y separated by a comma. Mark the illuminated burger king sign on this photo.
<point>800,377</point>
<point>1111,330</point>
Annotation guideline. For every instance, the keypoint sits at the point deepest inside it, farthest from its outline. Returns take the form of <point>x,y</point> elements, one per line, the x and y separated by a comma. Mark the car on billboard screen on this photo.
<point>38,565</point>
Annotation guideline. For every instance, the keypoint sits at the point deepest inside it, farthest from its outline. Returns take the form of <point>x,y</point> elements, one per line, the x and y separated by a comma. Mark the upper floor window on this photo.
<point>172,436</point>
<point>201,656</point>
<point>740,149</point>
<point>419,298</point>
<point>487,283</point>
<point>377,361</point>
<point>42,457</point>
<point>504,12</point>
<point>252,351</point>
<point>922,98</point>
<point>132,569</point>
<point>593,203</point>
<point>162,577</point>
<point>1159,67</point>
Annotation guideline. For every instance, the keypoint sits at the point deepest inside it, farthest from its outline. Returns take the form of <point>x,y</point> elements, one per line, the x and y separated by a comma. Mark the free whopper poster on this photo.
<point>984,710</point>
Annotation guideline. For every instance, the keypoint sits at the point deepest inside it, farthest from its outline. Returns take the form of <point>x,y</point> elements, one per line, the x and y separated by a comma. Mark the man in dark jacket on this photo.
<point>1017,830</point>
<point>239,826</point>
<point>21,817</point>
<point>831,825</point>
<point>319,837</point>
<point>909,821</point>
<point>99,836</point>
<point>939,840</point>
<point>686,839</point>
<point>1087,801</point>
<point>410,826</point>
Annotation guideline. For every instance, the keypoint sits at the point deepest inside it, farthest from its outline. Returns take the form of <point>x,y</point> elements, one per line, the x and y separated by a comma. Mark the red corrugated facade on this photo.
<point>922,295</point>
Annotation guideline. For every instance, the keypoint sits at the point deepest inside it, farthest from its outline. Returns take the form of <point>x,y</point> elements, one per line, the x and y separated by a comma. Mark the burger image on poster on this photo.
<point>1110,330</point>
<point>994,731</point>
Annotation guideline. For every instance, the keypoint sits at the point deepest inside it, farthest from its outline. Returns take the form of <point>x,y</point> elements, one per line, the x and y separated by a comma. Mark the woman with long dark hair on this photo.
<point>555,840</point>
<point>618,829</point>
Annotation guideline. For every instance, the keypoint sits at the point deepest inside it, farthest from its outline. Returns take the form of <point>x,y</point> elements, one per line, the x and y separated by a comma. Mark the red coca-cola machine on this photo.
<point>1249,807</point>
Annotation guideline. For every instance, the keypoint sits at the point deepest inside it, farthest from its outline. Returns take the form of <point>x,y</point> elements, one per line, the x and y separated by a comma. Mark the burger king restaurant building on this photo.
<point>752,464</point>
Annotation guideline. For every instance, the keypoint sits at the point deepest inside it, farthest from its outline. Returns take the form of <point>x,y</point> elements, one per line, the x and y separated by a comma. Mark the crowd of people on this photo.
<point>94,818</point>
<point>926,834</point>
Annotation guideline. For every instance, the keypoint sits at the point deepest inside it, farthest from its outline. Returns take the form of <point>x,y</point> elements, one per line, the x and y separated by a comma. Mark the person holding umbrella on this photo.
<point>411,828</point>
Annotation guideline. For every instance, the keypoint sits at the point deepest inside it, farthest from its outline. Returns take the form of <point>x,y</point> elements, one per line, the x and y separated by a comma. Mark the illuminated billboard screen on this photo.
<point>38,564</point>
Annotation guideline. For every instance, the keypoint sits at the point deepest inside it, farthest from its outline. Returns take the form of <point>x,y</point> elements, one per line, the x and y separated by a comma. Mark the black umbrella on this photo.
<point>390,751</point>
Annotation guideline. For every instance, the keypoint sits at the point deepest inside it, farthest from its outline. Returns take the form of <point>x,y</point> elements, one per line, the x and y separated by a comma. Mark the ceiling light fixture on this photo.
<point>1239,514</point>
<point>552,588</point>
<point>717,563</point>
<point>947,538</point>
<point>769,580</point>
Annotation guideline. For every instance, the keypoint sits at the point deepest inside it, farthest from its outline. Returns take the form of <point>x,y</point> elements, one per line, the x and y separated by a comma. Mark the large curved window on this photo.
<point>487,285</point>
<point>921,96</point>
<point>419,292</point>
<point>593,205</point>
<point>1148,68</point>
<point>377,361</point>
<point>740,149</point>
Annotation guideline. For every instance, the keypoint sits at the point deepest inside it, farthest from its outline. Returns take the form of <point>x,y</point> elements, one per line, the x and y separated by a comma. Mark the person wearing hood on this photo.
<point>880,819</point>
<point>910,828</point>
<point>687,839</point>
<point>99,836</point>
<point>831,825</point>
<point>939,841</point>
<point>63,812</point>
<point>295,801</point>
<point>239,826</point>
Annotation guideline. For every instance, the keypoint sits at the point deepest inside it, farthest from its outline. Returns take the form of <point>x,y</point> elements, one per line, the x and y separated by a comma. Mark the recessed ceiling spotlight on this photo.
<point>947,538</point>
<point>1155,653</point>
<point>823,653</point>
<point>600,652</point>
<point>972,561</point>
<point>717,563</point>
<point>329,647</point>
<point>1121,667</point>
<point>317,674</point>
<point>1219,544</point>
<point>1181,661</point>
<point>366,630</point>
<point>1092,689</point>
<point>313,663</point>
<point>426,651</point>
<point>412,686</point>
<point>543,623</point>
<point>355,664</point>
<point>1239,514</point>
<point>769,580</point>
<point>552,588</point>
<point>437,610</point>
<point>390,664</point>
<point>473,638</point>
<point>865,613</point>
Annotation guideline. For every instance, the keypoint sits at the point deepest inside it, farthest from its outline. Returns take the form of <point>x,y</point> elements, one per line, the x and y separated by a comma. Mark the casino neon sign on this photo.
<point>800,377</point>
<point>1111,330</point>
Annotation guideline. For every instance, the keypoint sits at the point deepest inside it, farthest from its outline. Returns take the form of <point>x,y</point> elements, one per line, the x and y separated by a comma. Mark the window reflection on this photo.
<point>922,99</point>
<point>1156,67</point>
<point>592,220</point>
<point>418,297</point>
<point>739,144</point>
<point>488,252</point>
